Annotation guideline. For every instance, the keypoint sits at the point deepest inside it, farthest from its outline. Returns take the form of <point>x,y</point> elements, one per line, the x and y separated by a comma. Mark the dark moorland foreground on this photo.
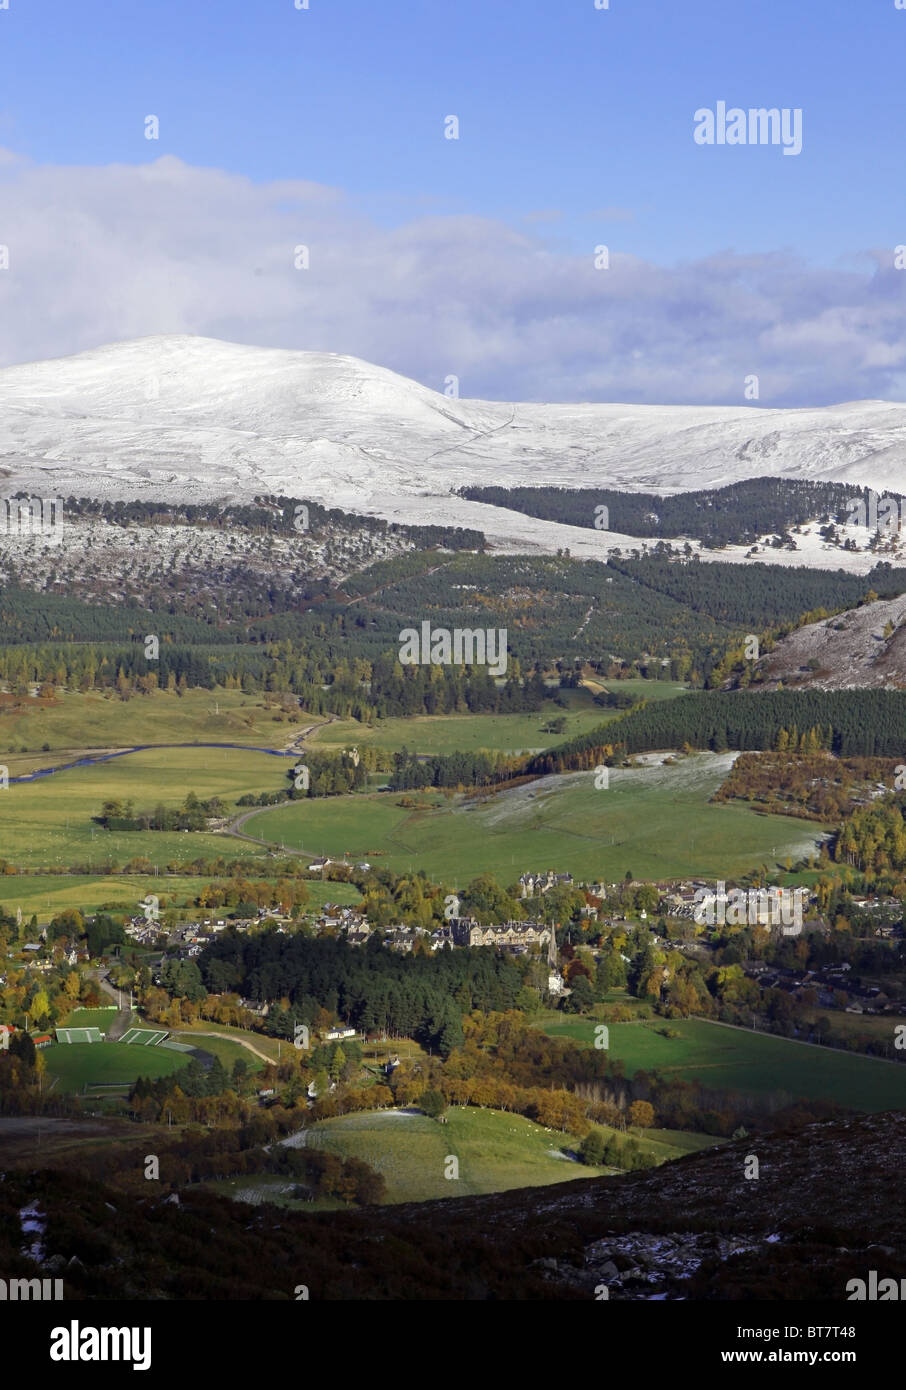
<point>826,1208</point>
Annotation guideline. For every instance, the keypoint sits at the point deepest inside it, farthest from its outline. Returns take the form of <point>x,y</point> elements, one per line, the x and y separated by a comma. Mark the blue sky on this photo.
<point>576,129</point>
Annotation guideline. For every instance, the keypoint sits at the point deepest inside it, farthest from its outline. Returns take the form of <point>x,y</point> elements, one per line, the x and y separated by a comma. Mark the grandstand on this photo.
<point>144,1037</point>
<point>79,1035</point>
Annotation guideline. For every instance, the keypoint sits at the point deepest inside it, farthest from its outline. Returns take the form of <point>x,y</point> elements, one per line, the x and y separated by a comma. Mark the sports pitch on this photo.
<point>143,1037</point>
<point>107,1064</point>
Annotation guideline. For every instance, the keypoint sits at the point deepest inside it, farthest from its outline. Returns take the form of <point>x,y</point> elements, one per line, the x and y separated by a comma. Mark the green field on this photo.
<point>496,1151</point>
<point>90,1018</point>
<point>734,1059</point>
<point>506,733</point>
<point>671,1143</point>
<point>639,688</point>
<point>107,1064</point>
<point>50,821</point>
<point>199,1036</point>
<point>267,1187</point>
<point>46,894</point>
<point>662,1145</point>
<point>224,1048</point>
<point>76,722</point>
<point>655,821</point>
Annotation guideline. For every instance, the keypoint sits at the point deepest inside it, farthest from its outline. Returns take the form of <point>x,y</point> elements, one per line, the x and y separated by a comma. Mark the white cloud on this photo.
<point>102,254</point>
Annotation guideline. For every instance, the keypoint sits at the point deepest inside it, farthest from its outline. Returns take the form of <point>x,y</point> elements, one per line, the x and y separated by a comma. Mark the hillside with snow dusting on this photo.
<point>193,418</point>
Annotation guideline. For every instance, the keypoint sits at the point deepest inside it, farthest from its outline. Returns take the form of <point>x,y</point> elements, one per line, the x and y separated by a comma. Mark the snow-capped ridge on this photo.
<point>176,415</point>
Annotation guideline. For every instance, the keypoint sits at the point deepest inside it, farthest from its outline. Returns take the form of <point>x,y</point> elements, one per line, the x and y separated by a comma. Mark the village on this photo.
<point>603,918</point>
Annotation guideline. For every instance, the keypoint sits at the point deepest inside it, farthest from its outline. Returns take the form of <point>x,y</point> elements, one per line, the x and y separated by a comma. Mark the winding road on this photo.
<point>235,828</point>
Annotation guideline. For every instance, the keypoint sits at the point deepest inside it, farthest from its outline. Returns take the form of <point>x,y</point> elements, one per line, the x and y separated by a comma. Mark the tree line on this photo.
<point>734,515</point>
<point>854,723</point>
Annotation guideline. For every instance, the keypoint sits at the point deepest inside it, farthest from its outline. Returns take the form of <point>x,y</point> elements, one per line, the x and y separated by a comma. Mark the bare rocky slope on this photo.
<point>862,648</point>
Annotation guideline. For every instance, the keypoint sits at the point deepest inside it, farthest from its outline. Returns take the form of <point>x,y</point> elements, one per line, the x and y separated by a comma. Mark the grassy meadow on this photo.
<point>734,1059</point>
<point>495,1150</point>
<point>505,733</point>
<point>50,822</point>
<point>199,1035</point>
<point>228,1050</point>
<point>655,821</point>
<point>76,722</point>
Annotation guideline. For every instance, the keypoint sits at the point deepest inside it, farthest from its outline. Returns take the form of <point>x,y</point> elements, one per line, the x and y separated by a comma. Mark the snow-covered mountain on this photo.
<point>192,417</point>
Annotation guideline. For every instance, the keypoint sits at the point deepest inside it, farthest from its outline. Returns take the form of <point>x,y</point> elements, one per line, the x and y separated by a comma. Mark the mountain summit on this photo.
<point>194,417</point>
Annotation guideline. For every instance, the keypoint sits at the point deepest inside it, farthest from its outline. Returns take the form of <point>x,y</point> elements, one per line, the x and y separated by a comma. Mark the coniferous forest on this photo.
<point>870,723</point>
<point>735,515</point>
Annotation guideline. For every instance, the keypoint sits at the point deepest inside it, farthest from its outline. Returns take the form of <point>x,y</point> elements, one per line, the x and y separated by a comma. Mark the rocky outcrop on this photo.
<point>854,649</point>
